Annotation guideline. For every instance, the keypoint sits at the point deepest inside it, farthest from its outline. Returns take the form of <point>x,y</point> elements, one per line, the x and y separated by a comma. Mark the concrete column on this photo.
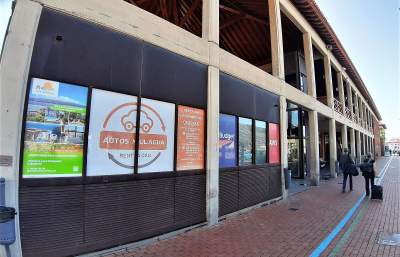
<point>358,139</point>
<point>210,21</point>
<point>314,147</point>
<point>212,188</point>
<point>211,34</point>
<point>284,142</point>
<point>332,147</point>
<point>341,89</point>
<point>343,132</point>
<point>364,150</point>
<point>357,113</point>
<point>309,58</point>
<point>350,98</point>
<point>353,143</point>
<point>275,27</point>
<point>328,81</point>
<point>14,70</point>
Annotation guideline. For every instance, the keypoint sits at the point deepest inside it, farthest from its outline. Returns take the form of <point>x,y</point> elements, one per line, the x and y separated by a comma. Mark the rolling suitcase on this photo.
<point>377,192</point>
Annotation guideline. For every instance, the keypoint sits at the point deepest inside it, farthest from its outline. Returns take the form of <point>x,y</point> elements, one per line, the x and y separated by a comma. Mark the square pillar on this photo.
<point>210,33</point>
<point>343,132</point>
<point>332,147</point>
<point>341,90</point>
<point>358,139</point>
<point>284,142</point>
<point>350,97</point>
<point>314,147</point>
<point>275,27</point>
<point>309,59</point>
<point>328,81</point>
<point>356,105</point>
<point>353,143</point>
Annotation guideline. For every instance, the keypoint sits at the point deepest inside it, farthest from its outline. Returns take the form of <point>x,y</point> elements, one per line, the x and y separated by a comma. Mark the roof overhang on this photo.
<point>314,16</point>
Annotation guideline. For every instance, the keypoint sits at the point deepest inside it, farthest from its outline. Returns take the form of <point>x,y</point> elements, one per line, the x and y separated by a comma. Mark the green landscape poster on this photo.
<point>54,130</point>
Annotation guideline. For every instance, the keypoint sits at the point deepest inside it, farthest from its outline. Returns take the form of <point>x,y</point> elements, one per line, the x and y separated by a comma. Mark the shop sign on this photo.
<point>227,140</point>
<point>54,129</point>
<point>274,144</point>
<point>190,145</point>
<point>111,141</point>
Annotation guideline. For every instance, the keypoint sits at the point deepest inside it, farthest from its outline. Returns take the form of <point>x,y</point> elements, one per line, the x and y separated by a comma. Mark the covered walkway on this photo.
<point>296,226</point>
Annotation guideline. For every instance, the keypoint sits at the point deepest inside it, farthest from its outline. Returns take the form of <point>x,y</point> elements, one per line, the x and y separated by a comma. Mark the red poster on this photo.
<point>274,144</point>
<point>190,144</point>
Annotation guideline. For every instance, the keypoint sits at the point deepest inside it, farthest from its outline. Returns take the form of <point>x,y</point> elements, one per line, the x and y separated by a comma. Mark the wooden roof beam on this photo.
<point>189,12</point>
<point>244,14</point>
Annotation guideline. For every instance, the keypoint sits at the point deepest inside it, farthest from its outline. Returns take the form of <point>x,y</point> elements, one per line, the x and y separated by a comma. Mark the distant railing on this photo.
<point>338,106</point>
<point>347,113</point>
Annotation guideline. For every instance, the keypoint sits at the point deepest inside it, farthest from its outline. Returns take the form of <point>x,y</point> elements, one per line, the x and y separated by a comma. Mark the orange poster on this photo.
<point>190,144</point>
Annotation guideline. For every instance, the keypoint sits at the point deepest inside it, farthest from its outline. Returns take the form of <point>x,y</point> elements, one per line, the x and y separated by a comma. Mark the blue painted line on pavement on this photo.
<point>324,244</point>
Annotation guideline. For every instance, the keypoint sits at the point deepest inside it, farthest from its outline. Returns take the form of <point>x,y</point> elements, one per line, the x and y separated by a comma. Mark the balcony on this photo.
<point>338,106</point>
<point>348,114</point>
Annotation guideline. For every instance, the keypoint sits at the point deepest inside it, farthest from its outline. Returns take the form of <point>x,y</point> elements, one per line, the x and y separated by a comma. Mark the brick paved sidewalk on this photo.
<point>273,230</point>
<point>374,218</point>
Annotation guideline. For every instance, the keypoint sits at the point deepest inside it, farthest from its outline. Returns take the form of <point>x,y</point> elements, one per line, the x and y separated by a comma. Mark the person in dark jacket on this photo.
<point>345,163</point>
<point>367,169</point>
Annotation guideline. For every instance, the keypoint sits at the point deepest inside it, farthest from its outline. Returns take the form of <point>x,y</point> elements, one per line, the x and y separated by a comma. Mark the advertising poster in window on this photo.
<point>261,142</point>
<point>190,152</point>
<point>227,141</point>
<point>274,144</point>
<point>112,127</point>
<point>245,141</point>
<point>156,136</point>
<point>54,129</point>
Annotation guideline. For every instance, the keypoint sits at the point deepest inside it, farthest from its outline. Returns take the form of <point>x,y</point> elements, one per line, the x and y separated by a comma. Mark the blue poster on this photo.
<point>227,140</point>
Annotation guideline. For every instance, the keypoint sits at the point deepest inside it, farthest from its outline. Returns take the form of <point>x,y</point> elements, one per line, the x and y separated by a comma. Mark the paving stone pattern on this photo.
<point>280,230</point>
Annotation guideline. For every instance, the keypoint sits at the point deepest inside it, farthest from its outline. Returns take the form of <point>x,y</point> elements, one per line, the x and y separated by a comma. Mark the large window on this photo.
<point>54,130</point>
<point>227,141</point>
<point>55,133</point>
<point>190,152</point>
<point>261,142</point>
<point>156,136</point>
<point>111,141</point>
<point>245,141</point>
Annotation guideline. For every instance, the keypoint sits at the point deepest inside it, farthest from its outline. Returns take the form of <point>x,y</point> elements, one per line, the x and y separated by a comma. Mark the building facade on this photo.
<point>227,96</point>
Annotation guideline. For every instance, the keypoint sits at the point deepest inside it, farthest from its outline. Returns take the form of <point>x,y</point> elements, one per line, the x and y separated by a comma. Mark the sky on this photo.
<point>369,31</point>
<point>5,12</point>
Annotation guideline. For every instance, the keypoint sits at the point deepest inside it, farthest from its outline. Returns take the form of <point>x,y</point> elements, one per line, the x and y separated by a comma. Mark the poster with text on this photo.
<point>227,140</point>
<point>274,144</point>
<point>190,152</point>
<point>111,141</point>
<point>156,136</point>
<point>54,129</point>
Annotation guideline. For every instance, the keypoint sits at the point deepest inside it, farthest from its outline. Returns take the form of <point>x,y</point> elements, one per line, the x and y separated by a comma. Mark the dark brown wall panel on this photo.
<point>190,200</point>
<point>51,220</point>
<point>228,192</point>
<point>173,78</point>
<point>253,187</point>
<point>72,50</point>
<point>247,186</point>
<point>240,98</point>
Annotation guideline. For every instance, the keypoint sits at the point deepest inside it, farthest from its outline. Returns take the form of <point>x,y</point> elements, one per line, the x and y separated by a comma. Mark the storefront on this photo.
<point>91,179</point>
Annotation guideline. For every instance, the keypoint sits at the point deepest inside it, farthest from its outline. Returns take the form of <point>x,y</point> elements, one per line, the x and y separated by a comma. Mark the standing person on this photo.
<point>345,163</point>
<point>368,172</point>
